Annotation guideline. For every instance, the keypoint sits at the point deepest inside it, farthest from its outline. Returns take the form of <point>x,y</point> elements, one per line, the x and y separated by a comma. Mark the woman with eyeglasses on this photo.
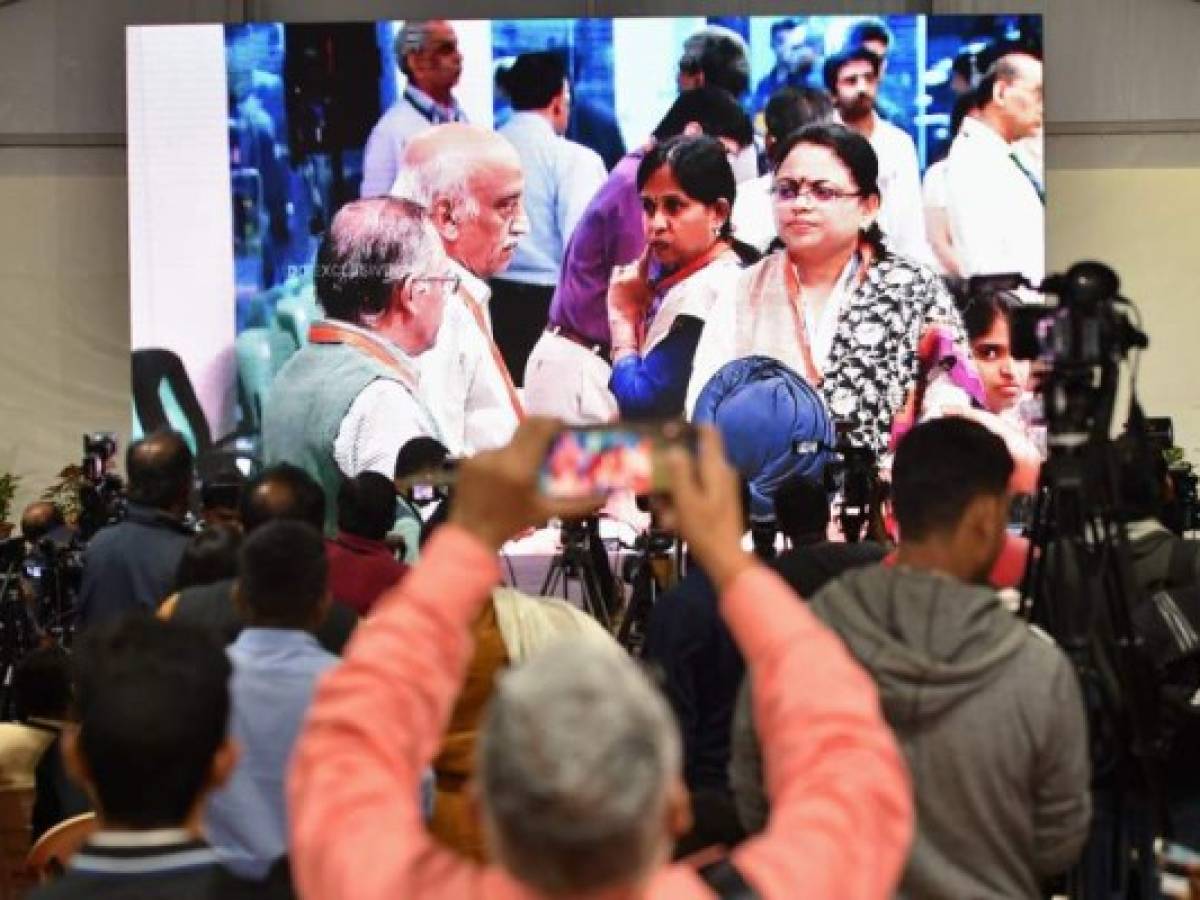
<point>834,303</point>
<point>658,305</point>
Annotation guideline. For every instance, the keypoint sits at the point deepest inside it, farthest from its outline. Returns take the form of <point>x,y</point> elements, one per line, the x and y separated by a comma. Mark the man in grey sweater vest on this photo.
<point>348,401</point>
<point>987,709</point>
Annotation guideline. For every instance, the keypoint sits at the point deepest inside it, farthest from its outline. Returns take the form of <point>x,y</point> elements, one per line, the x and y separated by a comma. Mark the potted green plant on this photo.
<point>8,489</point>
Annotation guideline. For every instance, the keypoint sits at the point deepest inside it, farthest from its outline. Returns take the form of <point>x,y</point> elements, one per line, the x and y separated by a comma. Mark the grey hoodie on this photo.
<point>989,716</point>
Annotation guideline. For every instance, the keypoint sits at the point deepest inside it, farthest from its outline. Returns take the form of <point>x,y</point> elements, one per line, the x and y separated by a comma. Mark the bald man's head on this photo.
<point>39,519</point>
<point>470,180</point>
<point>160,471</point>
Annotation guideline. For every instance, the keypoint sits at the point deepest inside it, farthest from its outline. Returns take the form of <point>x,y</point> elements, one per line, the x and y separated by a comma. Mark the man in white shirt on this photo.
<point>428,56</point>
<point>852,78</point>
<point>995,200</point>
<point>349,400</point>
<point>561,177</point>
<point>471,182</point>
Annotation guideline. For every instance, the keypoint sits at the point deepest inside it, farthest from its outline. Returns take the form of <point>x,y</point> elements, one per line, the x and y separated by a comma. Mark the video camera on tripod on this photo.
<point>1080,585</point>
<point>101,491</point>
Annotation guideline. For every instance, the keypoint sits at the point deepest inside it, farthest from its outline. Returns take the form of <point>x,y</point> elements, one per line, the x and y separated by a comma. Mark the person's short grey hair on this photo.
<point>412,37</point>
<point>372,245</point>
<point>577,753</point>
<point>445,175</point>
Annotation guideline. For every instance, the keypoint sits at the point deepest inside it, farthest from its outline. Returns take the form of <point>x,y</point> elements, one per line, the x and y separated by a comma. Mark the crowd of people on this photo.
<point>324,693</point>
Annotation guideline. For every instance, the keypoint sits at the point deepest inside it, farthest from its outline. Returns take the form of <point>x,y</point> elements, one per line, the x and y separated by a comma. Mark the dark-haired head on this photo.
<point>715,111</point>
<point>42,685</point>
<point>367,506</point>
<point>282,491</point>
<point>160,471</point>
<point>715,57</point>
<point>980,313</point>
<point>853,152</point>
<point>802,510</point>
<point>211,555</point>
<point>950,482</point>
<point>283,576</point>
<point>533,80</point>
<point>700,165</point>
<point>837,61</point>
<point>791,109</point>
<point>153,706</point>
<point>871,33</point>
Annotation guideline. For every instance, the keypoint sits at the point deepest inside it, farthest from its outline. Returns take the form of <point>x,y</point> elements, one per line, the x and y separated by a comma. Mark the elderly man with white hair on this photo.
<point>580,783</point>
<point>428,56</point>
<point>470,180</point>
<point>348,401</point>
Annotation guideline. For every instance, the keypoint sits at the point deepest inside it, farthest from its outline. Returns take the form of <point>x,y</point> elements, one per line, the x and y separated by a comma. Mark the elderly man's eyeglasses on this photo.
<point>450,282</point>
<point>785,190</point>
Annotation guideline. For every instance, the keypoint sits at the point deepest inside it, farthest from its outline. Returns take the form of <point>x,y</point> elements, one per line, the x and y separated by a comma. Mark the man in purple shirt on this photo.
<point>568,370</point>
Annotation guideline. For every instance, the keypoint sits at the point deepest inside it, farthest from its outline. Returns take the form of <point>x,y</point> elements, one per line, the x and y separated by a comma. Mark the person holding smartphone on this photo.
<point>657,306</point>
<point>580,783</point>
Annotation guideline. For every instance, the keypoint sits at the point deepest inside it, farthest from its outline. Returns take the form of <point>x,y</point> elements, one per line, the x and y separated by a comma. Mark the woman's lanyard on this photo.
<point>808,331</point>
<point>664,284</point>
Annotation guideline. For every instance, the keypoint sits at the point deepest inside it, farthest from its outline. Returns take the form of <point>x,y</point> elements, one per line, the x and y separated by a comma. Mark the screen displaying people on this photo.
<point>596,285</point>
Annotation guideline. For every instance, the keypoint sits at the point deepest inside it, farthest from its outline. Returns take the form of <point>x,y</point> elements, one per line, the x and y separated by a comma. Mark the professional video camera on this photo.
<point>853,473</point>
<point>1079,583</point>
<point>101,492</point>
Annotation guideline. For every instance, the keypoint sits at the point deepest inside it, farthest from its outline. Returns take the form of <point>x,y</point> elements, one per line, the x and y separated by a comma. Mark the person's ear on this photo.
<point>679,809</point>
<point>224,762</point>
<point>322,609</point>
<point>723,209</point>
<point>693,129</point>
<point>445,220</point>
<point>239,600</point>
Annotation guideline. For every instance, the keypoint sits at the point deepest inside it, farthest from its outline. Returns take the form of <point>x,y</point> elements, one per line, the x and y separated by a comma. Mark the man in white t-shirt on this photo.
<point>852,78</point>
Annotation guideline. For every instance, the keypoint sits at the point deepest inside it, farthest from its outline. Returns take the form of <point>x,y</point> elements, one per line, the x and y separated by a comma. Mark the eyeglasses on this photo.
<point>452,282</point>
<point>785,190</point>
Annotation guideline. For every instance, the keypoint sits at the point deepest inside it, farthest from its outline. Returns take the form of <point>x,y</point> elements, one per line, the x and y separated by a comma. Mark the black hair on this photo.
<point>869,29</point>
<point>534,80</point>
<point>283,573</point>
<point>720,57</point>
<point>855,153</point>
<point>211,555</point>
<point>42,684</point>
<point>981,312</point>
<point>939,468</point>
<point>153,705</point>
<point>791,108</point>
<point>779,26</point>
<point>716,111</point>
<point>700,165</point>
<point>420,453</point>
<point>282,491</point>
<point>366,505</point>
<point>160,469</point>
<point>835,63</point>
<point>802,508</point>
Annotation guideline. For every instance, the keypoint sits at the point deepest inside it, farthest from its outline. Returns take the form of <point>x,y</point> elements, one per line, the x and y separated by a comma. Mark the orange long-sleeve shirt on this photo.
<point>841,819</point>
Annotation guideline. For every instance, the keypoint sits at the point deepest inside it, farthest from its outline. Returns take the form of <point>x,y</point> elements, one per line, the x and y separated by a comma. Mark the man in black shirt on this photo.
<point>130,566</point>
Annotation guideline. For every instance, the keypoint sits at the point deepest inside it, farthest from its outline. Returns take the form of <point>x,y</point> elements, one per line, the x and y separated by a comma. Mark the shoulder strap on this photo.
<point>726,881</point>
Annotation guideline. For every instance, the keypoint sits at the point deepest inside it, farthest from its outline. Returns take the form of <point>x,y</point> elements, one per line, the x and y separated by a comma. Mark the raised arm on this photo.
<point>377,720</point>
